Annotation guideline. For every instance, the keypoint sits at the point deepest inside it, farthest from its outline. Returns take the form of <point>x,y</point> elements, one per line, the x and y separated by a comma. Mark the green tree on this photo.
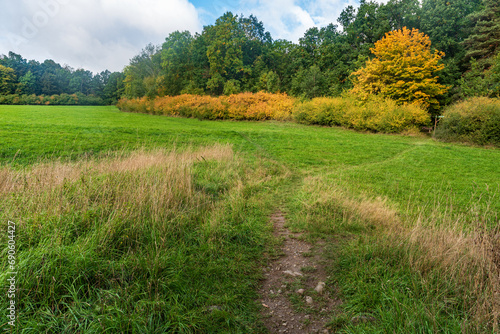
<point>479,81</point>
<point>224,52</point>
<point>309,83</point>
<point>176,62</point>
<point>232,87</point>
<point>473,82</point>
<point>16,62</point>
<point>269,82</point>
<point>273,82</point>
<point>142,75</point>
<point>7,80</point>
<point>198,72</point>
<point>484,42</point>
<point>50,78</point>
<point>114,87</point>
<point>365,26</point>
<point>256,45</point>
<point>27,83</point>
<point>54,79</point>
<point>494,77</point>
<point>447,25</point>
<point>281,58</point>
<point>401,13</point>
<point>81,81</point>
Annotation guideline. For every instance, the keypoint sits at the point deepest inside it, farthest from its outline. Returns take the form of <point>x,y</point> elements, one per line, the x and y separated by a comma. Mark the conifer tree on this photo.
<point>484,42</point>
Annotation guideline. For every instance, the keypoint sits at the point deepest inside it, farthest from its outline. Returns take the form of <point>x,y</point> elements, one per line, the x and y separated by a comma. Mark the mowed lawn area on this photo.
<point>385,204</point>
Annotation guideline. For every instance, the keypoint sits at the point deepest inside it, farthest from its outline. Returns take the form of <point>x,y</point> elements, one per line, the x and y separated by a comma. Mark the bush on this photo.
<point>476,120</point>
<point>244,106</point>
<point>377,114</point>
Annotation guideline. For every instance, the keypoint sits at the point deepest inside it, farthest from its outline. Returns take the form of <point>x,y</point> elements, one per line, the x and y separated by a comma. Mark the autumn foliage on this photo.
<point>377,114</point>
<point>244,106</point>
<point>403,69</point>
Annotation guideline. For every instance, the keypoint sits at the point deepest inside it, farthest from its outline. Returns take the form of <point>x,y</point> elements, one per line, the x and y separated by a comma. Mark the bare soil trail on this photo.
<point>294,296</point>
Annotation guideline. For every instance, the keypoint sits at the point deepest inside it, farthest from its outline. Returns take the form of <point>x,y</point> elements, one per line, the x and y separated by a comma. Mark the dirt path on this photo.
<point>294,296</point>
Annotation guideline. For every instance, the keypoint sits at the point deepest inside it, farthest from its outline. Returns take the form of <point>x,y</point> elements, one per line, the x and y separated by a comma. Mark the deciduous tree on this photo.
<point>7,78</point>
<point>309,83</point>
<point>224,52</point>
<point>403,69</point>
<point>176,62</point>
<point>27,83</point>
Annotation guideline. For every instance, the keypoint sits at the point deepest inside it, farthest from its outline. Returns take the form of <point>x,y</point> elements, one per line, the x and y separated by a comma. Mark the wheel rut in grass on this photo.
<point>293,294</point>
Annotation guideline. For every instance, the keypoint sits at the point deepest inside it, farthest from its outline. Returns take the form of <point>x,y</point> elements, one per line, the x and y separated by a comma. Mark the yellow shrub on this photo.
<point>376,114</point>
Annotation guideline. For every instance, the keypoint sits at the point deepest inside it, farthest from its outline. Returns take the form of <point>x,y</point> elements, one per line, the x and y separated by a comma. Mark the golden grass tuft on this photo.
<point>154,184</point>
<point>47,175</point>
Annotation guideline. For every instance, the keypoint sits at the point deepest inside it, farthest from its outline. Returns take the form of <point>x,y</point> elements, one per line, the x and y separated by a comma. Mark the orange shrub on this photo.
<point>244,106</point>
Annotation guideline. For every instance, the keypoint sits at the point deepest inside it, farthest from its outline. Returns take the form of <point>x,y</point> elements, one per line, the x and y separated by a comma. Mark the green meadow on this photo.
<point>136,223</point>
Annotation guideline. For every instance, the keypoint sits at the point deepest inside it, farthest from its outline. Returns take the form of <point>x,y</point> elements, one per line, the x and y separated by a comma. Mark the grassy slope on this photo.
<point>443,183</point>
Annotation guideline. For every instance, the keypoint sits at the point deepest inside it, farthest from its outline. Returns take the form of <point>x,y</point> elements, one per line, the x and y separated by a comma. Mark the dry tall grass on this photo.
<point>126,185</point>
<point>47,175</point>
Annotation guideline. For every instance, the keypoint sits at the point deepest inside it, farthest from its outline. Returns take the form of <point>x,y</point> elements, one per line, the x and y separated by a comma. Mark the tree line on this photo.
<point>236,54</point>
<point>19,76</point>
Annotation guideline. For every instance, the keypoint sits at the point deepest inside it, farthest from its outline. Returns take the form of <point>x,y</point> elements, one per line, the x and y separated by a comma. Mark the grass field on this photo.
<point>411,223</point>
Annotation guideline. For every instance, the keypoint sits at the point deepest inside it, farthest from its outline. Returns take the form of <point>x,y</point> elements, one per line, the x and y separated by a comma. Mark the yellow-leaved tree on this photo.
<point>403,69</point>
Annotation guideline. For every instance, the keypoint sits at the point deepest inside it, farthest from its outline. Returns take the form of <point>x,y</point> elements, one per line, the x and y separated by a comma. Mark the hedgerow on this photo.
<point>57,99</point>
<point>376,114</point>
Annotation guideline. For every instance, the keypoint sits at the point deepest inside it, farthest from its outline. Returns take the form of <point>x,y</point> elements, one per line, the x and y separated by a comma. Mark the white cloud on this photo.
<point>289,19</point>
<point>325,12</point>
<point>283,18</point>
<point>157,16</point>
<point>93,34</point>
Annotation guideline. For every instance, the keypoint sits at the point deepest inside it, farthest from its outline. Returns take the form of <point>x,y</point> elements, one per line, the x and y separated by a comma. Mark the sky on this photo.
<point>105,34</point>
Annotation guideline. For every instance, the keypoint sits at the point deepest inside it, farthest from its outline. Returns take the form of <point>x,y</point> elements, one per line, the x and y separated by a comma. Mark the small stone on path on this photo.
<point>320,287</point>
<point>292,273</point>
